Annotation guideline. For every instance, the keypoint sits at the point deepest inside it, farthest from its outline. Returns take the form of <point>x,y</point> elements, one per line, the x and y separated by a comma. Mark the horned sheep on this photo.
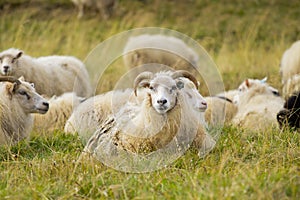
<point>60,109</point>
<point>17,101</point>
<point>161,49</point>
<point>257,107</point>
<point>164,112</point>
<point>52,75</point>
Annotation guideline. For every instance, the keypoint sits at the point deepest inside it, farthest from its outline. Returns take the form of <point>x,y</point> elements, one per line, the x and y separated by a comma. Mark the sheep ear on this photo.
<point>180,85</point>
<point>21,78</point>
<point>247,83</point>
<point>10,89</point>
<point>19,55</point>
<point>264,80</point>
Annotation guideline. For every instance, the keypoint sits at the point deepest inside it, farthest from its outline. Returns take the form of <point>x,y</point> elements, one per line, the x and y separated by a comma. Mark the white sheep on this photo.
<point>52,75</point>
<point>87,117</point>
<point>18,100</point>
<point>290,62</point>
<point>60,109</point>
<point>257,107</point>
<point>165,115</point>
<point>104,6</point>
<point>161,49</point>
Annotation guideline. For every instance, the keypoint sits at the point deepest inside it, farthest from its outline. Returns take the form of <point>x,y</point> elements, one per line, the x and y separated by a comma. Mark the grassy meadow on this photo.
<point>244,38</point>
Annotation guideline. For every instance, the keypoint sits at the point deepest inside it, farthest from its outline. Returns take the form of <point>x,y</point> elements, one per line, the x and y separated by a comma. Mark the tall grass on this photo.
<point>245,39</point>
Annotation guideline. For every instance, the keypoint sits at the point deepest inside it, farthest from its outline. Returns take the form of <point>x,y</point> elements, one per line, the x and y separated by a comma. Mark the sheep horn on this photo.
<point>10,79</point>
<point>186,74</point>
<point>140,78</point>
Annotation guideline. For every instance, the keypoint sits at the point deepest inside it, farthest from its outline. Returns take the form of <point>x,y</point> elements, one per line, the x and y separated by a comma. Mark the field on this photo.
<point>244,39</point>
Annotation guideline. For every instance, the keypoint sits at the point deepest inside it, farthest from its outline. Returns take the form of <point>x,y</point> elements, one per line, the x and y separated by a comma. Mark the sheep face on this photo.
<point>8,61</point>
<point>192,94</point>
<point>163,92</point>
<point>28,98</point>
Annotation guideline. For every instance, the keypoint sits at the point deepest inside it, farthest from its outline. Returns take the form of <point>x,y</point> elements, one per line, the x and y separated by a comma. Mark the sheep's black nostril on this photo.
<point>162,101</point>
<point>5,67</point>
<point>204,103</point>
<point>46,104</point>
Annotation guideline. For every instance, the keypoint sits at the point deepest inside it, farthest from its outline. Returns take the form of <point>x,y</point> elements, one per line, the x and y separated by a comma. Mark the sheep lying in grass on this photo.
<point>52,75</point>
<point>17,101</point>
<point>257,107</point>
<point>289,67</point>
<point>164,112</point>
<point>220,110</point>
<point>90,114</point>
<point>104,6</point>
<point>160,49</point>
<point>289,116</point>
<point>59,111</point>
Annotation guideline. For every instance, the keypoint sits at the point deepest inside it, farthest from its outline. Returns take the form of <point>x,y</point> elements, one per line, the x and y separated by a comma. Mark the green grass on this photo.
<point>244,38</point>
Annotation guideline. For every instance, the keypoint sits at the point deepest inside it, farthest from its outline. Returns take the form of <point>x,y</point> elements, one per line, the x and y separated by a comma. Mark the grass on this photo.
<point>245,39</point>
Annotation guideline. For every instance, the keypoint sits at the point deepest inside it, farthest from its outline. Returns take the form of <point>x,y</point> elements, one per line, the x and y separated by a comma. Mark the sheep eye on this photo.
<point>151,88</point>
<point>22,92</point>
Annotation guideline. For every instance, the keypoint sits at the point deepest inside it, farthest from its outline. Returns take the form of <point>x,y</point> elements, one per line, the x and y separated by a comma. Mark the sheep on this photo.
<point>60,110</point>
<point>104,6</point>
<point>167,50</point>
<point>219,110</point>
<point>153,125</point>
<point>257,107</point>
<point>91,113</point>
<point>291,86</point>
<point>17,101</point>
<point>289,116</point>
<point>52,75</point>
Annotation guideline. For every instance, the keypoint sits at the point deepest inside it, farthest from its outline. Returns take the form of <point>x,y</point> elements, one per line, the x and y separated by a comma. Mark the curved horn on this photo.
<point>142,76</point>
<point>186,74</point>
<point>10,79</point>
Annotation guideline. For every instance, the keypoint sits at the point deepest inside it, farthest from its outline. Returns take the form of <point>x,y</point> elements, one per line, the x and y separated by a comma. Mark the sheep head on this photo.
<point>163,88</point>
<point>8,60</point>
<point>25,94</point>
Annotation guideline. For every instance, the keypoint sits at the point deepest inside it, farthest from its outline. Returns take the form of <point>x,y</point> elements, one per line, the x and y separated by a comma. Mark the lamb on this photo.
<point>161,49</point>
<point>60,110</point>
<point>104,6</point>
<point>289,116</point>
<point>52,75</point>
<point>90,114</point>
<point>165,117</point>
<point>257,107</point>
<point>17,101</point>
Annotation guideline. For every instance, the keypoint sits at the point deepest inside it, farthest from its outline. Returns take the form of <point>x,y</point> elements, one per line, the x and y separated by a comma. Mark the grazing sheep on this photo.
<point>60,110</point>
<point>160,49</point>
<point>257,107</point>
<point>289,116</point>
<point>17,101</point>
<point>104,6</point>
<point>52,75</point>
<point>165,115</point>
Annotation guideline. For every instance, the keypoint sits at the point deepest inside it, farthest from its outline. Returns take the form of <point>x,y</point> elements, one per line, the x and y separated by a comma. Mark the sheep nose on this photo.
<point>5,67</point>
<point>46,104</point>
<point>204,103</point>
<point>162,101</point>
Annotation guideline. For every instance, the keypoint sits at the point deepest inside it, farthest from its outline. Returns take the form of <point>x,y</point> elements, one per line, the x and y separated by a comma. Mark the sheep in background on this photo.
<point>289,116</point>
<point>145,128</point>
<point>257,107</point>
<point>167,50</point>
<point>220,110</point>
<point>52,75</point>
<point>17,101</point>
<point>104,6</point>
<point>290,69</point>
<point>60,110</point>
